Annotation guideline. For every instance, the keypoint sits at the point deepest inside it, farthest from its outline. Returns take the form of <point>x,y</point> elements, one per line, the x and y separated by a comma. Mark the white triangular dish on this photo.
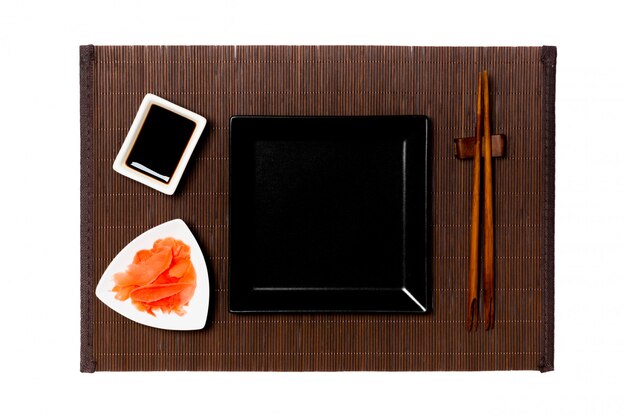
<point>198,307</point>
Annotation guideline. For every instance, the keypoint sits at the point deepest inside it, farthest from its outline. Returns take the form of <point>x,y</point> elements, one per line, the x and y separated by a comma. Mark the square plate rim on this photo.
<point>418,307</point>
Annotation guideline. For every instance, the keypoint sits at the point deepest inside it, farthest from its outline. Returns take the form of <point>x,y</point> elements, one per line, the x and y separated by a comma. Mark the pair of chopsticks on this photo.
<point>482,131</point>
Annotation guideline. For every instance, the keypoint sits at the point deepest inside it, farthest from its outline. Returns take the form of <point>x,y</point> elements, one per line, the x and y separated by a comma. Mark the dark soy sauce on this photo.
<point>160,143</point>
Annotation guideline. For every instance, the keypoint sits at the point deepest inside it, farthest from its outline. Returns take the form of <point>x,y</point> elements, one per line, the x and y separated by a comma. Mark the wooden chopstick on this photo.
<point>483,132</point>
<point>472,306</point>
<point>488,286</point>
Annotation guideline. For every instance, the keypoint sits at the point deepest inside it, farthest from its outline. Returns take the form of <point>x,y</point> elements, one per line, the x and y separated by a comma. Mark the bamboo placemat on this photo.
<point>220,81</point>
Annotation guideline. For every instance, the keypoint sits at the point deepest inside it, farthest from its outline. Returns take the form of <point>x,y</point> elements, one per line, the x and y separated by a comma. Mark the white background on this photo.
<point>39,208</point>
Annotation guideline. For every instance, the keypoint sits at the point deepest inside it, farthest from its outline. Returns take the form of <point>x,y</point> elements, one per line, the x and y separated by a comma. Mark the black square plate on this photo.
<point>328,214</point>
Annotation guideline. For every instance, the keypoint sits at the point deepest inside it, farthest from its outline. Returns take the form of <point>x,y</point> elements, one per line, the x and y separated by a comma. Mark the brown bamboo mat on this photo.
<point>220,81</point>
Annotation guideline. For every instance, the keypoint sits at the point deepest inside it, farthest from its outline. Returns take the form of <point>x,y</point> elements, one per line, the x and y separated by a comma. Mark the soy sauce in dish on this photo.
<point>160,144</point>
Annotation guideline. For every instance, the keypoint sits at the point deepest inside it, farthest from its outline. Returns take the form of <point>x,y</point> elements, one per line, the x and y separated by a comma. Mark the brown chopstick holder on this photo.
<point>464,147</point>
